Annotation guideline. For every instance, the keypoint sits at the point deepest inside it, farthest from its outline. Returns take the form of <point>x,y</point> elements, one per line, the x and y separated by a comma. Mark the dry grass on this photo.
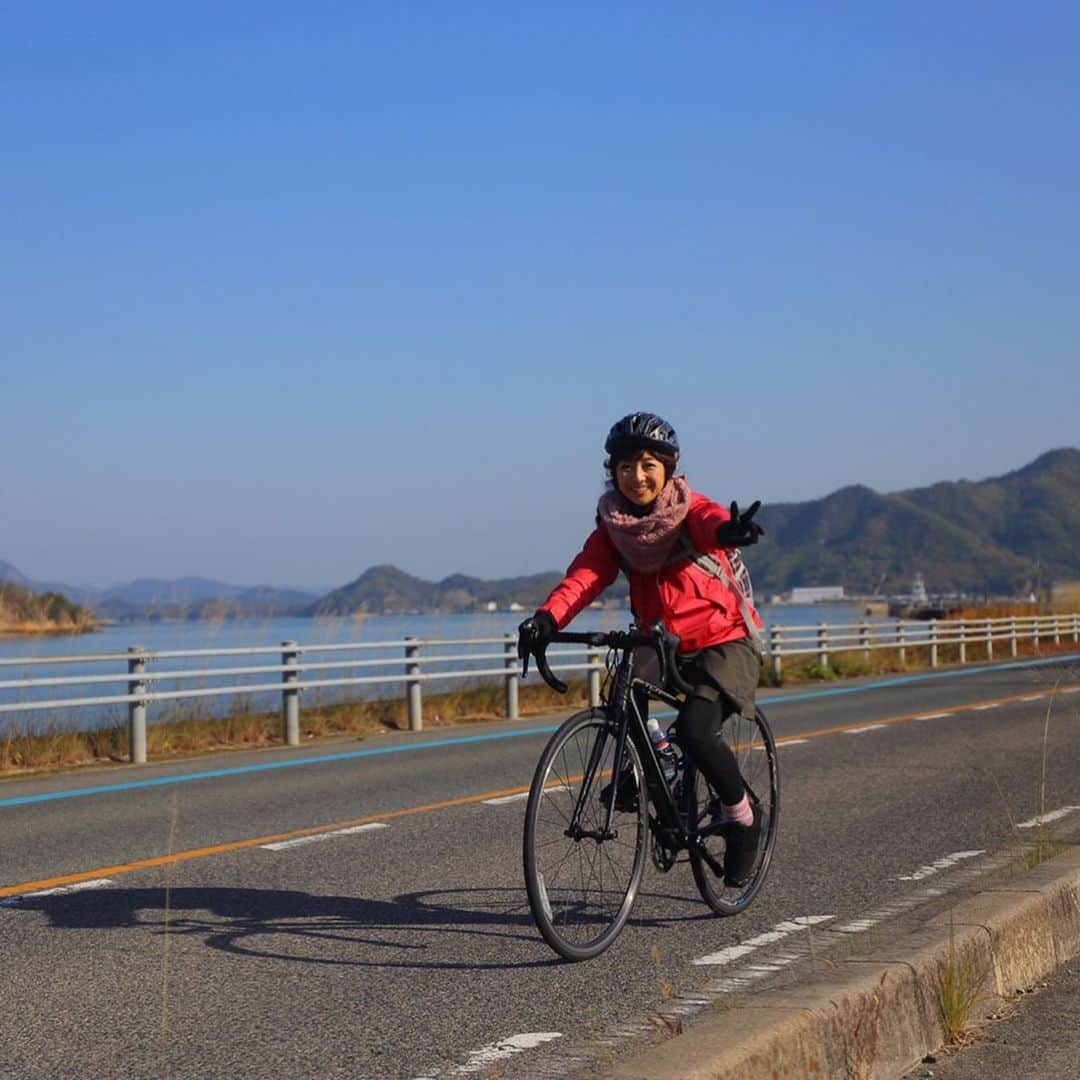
<point>958,991</point>
<point>852,663</point>
<point>180,731</point>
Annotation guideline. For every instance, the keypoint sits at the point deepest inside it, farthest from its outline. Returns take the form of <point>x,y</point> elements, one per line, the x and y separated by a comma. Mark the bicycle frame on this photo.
<point>630,724</point>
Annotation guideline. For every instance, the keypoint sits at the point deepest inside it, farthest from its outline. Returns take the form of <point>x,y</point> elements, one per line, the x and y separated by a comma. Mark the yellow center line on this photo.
<point>445,804</point>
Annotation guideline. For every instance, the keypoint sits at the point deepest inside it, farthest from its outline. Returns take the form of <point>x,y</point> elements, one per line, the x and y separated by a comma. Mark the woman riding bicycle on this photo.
<point>650,524</point>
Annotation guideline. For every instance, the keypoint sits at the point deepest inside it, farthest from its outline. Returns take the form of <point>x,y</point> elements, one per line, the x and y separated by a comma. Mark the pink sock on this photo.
<point>742,812</point>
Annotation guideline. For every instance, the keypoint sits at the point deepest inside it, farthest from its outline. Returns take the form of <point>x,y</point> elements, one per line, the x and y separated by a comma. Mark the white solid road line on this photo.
<point>317,837</point>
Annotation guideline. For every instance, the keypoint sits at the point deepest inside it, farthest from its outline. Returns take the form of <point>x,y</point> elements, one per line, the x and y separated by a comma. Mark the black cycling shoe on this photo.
<point>626,800</point>
<point>742,849</point>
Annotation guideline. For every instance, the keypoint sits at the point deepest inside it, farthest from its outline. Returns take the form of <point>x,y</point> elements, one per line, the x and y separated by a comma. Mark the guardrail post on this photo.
<point>933,643</point>
<point>1035,633</point>
<point>1013,649</point>
<point>1057,630</point>
<point>510,647</point>
<point>594,679</point>
<point>823,646</point>
<point>776,651</point>
<point>864,641</point>
<point>136,709</point>
<point>989,628</point>
<point>962,647</point>
<point>900,639</point>
<point>290,694</point>
<point>1076,627</point>
<point>415,698</point>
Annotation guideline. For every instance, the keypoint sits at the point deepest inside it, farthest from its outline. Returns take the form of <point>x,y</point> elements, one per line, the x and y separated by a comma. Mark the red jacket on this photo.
<point>692,603</point>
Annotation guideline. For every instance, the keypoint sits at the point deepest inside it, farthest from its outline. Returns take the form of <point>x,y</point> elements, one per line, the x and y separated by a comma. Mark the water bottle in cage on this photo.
<point>663,748</point>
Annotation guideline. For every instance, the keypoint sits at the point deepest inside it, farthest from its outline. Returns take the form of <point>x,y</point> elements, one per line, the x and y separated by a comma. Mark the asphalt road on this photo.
<point>1035,1035</point>
<point>146,929</point>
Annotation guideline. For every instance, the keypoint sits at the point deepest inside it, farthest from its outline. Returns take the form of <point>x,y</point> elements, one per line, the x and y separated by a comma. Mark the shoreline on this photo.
<point>19,630</point>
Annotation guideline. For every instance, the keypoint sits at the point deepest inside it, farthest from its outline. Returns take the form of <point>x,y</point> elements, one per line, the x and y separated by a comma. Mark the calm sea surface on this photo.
<point>114,641</point>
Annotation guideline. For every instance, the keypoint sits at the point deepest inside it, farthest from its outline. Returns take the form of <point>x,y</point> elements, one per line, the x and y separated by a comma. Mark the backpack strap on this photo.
<point>715,568</point>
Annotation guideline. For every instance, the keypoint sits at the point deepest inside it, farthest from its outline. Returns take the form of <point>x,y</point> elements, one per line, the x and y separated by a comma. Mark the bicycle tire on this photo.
<point>581,891</point>
<point>752,742</point>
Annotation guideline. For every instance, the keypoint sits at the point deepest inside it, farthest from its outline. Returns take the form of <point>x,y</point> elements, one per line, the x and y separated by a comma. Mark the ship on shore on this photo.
<point>919,604</point>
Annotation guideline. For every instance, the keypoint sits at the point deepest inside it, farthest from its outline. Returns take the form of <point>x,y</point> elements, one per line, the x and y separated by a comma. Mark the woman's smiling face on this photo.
<point>641,480</point>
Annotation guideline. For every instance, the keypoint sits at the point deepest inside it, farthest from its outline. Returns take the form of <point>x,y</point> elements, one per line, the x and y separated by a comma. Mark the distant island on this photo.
<point>25,612</point>
<point>1010,535</point>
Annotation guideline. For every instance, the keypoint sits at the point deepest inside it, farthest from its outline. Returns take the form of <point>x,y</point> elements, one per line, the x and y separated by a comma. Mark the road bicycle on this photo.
<point>599,801</point>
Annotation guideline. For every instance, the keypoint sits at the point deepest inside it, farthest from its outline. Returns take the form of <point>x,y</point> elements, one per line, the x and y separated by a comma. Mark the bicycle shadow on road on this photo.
<point>307,928</point>
<point>290,924</point>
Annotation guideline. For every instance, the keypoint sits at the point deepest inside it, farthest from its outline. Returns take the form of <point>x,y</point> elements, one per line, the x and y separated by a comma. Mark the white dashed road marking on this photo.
<point>489,1055</point>
<point>860,730</point>
<point>934,716</point>
<point>940,864</point>
<point>281,845</point>
<point>983,708</point>
<point>94,883</point>
<point>778,932</point>
<point>1042,819</point>
<point>519,797</point>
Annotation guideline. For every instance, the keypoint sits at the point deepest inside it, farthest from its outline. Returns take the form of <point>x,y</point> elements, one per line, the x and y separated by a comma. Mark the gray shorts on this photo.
<point>727,673</point>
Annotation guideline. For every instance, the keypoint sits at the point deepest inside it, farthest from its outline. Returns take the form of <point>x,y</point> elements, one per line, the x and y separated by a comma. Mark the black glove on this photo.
<point>535,633</point>
<point>741,530</point>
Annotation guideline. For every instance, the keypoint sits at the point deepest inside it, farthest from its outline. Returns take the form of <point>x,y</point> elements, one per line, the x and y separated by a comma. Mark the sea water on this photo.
<point>383,634</point>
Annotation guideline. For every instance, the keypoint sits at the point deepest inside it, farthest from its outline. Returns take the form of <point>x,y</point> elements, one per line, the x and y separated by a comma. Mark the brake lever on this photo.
<point>548,675</point>
<point>670,664</point>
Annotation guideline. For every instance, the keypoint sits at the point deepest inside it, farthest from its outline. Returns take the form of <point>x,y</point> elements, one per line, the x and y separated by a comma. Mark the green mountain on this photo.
<point>1005,535</point>
<point>387,590</point>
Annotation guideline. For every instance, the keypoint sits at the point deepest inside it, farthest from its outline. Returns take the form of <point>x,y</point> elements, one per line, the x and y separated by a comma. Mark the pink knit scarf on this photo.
<point>645,542</point>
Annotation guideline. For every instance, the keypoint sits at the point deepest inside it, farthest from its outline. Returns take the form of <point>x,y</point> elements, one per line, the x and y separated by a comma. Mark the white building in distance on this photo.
<point>816,594</point>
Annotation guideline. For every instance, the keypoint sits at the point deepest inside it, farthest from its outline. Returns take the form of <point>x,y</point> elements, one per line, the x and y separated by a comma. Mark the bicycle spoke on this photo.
<point>581,880</point>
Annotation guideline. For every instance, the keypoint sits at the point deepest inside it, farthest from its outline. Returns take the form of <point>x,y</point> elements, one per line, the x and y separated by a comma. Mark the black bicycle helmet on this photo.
<point>642,431</point>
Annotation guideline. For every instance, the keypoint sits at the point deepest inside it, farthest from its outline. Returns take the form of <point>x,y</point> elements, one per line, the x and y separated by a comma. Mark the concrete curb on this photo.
<point>878,1014</point>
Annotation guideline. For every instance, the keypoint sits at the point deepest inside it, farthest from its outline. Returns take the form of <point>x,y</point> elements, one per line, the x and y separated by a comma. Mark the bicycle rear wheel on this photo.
<point>752,742</point>
<point>581,888</point>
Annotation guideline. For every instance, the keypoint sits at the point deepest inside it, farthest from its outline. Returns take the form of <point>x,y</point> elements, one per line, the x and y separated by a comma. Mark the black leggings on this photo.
<point>698,729</point>
<point>724,678</point>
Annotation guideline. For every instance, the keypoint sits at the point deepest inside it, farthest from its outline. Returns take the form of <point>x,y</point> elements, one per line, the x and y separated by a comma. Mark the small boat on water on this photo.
<point>919,604</point>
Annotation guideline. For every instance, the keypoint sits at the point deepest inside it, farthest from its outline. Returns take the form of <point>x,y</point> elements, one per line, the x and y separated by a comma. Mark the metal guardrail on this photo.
<point>412,661</point>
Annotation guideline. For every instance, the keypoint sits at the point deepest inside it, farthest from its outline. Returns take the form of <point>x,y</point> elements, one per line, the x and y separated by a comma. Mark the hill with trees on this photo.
<point>1007,535</point>
<point>24,611</point>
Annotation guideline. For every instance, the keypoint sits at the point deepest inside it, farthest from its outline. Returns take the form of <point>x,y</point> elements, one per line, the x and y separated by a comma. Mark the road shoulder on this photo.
<point>881,1012</point>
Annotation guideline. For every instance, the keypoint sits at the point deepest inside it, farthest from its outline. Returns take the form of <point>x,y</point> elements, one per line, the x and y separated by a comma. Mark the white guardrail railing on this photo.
<point>413,662</point>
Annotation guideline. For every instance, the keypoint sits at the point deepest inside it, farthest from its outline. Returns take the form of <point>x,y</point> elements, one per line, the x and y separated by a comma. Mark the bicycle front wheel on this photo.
<point>581,879</point>
<point>751,740</point>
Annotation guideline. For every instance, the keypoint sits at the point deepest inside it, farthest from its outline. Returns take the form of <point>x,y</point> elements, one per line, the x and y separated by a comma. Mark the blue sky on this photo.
<point>289,290</point>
